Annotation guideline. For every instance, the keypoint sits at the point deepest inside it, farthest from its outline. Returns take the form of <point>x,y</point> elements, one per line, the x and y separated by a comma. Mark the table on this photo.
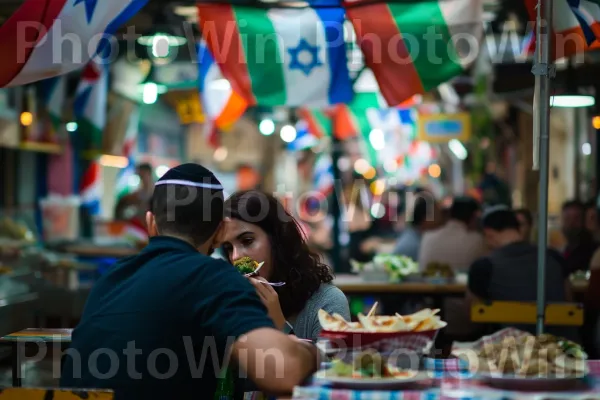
<point>18,341</point>
<point>453,385</point>
<point>355,285</point>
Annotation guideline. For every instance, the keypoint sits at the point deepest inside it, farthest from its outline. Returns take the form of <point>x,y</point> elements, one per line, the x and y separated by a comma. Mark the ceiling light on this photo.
<point>572,101</point>
<point>288,133</point>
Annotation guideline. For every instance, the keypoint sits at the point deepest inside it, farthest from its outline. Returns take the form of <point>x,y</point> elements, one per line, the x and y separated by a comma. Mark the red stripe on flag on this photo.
<point>565,43</point>
<point>219,29</point>
<point>375,29</point>
<point>344,126</point>
<point>22,32</point>
<point>313,125</point>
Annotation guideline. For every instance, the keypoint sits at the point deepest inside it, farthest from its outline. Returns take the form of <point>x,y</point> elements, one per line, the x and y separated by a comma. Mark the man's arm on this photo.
<point>274,361</point>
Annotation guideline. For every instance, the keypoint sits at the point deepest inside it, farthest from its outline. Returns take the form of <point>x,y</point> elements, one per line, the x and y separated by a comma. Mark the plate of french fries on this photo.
<point>420,326</point>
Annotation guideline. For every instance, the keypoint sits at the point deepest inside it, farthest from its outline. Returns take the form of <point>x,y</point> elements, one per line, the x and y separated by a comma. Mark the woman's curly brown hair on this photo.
<point>293,262</point>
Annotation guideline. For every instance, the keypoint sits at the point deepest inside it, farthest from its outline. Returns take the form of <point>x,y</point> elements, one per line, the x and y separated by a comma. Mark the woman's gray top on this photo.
<point>329,298</point>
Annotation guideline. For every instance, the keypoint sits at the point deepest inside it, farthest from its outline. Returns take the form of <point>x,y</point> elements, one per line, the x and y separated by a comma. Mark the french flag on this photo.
<point>91,189</point>
<point>222,106</point>
<point>48,38</point>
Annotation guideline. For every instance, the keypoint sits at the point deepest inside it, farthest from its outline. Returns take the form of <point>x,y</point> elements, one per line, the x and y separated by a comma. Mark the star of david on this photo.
<point>305,67</point>
<point>90,7</point>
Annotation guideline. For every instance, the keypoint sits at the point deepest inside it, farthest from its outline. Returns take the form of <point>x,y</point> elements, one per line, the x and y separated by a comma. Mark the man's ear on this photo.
<point>151,224</point>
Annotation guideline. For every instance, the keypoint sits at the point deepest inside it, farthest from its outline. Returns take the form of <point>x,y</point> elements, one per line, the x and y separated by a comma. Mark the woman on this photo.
<point>258,226</point>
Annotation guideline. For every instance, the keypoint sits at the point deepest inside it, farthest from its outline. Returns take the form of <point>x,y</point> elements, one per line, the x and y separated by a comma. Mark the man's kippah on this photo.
<point>190,174</point>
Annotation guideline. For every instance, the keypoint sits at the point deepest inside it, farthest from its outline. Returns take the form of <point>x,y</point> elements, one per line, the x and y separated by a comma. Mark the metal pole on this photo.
<point>544,71</point>
<point>338,258</point>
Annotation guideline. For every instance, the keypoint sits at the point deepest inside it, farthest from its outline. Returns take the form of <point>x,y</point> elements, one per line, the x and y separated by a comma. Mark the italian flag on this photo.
<point>278,56</point>
<point>414,46</point>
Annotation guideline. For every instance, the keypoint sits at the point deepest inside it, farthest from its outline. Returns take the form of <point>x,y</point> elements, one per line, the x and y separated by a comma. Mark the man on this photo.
<point>423,220</point>
<point>509,272</point>
<point>138,202</point>
<point>580,246</point>
<point>158,325</point>
<point>457,243</point>
<point>525,223</point>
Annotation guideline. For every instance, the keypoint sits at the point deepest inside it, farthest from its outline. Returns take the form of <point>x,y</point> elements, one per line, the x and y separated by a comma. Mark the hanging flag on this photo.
<point>304,138</point>
<point>413,46</point>
<point>318,122</point>
<point>222,106</point>
<point>90,103</point>
<point>53,93</point>
<point>576,25</point>
<point>48,38</point>
<point>279,56</point>
<point>323,174</point>
<point>91,189</point>
<point>125,175</point>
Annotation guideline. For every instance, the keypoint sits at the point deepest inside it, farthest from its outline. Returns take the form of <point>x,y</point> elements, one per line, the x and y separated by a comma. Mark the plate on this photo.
<point>515,382</point>
<point>323,378</point>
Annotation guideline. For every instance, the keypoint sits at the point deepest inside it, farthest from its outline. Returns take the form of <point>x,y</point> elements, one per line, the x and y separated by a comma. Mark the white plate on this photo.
<point>323,378</point>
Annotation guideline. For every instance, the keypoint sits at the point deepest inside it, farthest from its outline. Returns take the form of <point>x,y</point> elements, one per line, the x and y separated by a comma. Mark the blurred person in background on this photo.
<point>457,243</point>
<point>525,223</point>
<point>591,220</point>
<point>580,243</point>
<point>424,218</point>
<point>135,205</point>
<point>510,271</point>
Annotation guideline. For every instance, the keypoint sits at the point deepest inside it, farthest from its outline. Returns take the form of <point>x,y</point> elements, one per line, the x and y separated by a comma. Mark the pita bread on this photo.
<point>383,323</point>
<point>332,322</point>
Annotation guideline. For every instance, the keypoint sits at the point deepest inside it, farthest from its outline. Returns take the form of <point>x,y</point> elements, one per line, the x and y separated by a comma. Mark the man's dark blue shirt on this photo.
<point>154,324</point>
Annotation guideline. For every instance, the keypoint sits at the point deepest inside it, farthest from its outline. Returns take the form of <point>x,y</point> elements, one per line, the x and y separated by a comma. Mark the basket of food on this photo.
<point>513,359</point>
<point>437,272</point>
<point>415,332</point>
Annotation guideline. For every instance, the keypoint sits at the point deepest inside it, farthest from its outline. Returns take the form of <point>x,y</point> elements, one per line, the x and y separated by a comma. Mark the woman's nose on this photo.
<point>236,254</point>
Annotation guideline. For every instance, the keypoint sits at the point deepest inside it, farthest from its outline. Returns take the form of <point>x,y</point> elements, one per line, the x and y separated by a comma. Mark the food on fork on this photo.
<point>246,265</point>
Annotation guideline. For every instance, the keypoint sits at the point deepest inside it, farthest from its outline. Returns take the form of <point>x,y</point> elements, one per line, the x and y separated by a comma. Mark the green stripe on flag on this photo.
<point>91,136</point>
<point>324,123</point>
<point>265,63</point>
<point>358,108</point>
<point>434,56</point>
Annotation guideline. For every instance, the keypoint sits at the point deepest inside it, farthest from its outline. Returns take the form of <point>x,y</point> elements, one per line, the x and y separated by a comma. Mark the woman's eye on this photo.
<point>247,242</point>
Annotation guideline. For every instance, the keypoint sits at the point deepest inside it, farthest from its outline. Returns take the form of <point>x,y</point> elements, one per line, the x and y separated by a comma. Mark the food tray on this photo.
<point>381,341</point>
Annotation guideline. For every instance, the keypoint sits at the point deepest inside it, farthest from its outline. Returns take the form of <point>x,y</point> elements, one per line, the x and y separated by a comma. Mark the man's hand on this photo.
<point>275,362</point>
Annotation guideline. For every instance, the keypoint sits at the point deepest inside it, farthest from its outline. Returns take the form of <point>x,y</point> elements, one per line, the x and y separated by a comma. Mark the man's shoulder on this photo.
<point>482,263</point>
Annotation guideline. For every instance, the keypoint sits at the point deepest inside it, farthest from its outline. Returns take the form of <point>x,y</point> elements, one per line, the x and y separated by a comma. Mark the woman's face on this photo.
<point>242,239</point>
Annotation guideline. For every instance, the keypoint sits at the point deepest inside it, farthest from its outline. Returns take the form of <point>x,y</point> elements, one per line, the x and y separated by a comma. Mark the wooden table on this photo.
<point>355,285</point>
<point>19,340</point>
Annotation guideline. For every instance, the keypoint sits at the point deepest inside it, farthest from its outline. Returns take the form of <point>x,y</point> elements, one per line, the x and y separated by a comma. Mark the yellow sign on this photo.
<point>189,109</point>
<point>440,128</point>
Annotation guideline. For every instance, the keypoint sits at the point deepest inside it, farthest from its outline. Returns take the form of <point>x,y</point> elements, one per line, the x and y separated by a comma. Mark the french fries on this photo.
<point>424,320</point>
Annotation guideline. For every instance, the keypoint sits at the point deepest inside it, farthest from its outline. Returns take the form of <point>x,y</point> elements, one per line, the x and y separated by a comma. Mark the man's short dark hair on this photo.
<point>464,209</point>
<point>573,204</point>
<point>500,220</point>
<point>420,212</point>
<point>526,214</point>
<point>194,213</point>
